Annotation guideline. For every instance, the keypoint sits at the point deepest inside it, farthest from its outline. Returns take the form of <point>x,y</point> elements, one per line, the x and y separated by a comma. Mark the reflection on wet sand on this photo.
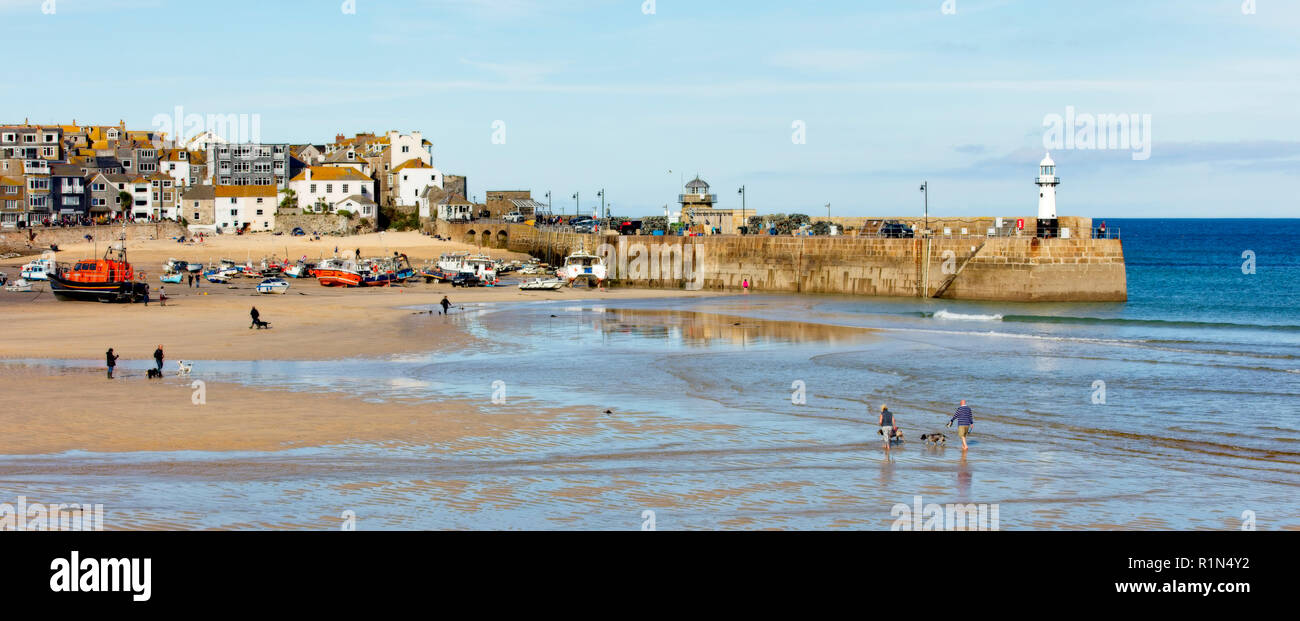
<point>698,329</point>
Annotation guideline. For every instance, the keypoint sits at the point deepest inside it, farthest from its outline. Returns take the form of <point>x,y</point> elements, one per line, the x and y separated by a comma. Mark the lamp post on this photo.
<point>743,215</point>
<point>548,203</point>
<point>577,203</point>
<point>925,189</point>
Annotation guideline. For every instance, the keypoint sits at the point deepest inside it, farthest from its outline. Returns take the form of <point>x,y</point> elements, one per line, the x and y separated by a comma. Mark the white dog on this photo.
<point>183,368</point>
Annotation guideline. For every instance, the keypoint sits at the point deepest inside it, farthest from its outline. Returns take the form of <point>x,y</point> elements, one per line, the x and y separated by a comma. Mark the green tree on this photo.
<point>290,200</point>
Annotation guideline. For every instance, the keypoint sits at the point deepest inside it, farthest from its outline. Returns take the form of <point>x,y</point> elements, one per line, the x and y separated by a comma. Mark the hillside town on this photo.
<point>69,175</point>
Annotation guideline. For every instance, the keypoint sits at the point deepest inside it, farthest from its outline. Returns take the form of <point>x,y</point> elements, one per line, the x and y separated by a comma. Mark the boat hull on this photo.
<point>98,291</point>
<point>338,278</point>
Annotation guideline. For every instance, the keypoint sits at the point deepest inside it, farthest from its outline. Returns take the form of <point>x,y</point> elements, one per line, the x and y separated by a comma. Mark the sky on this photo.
<point>804,103</point>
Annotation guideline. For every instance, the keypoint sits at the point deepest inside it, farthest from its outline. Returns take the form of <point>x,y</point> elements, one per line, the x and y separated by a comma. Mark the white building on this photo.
<point>409,181</point>
<point>362,206</point>
<point>235,206</point>
<point>1047,182</point>
<point>326,186</point>
<point>403,148</point>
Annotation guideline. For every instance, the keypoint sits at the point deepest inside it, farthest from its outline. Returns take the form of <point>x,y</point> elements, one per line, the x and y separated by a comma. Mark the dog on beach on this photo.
<point>937,439</point>
<point>183,368</point>
<point>261,325</point>
<point>154,374</point>
<point>896,436</point>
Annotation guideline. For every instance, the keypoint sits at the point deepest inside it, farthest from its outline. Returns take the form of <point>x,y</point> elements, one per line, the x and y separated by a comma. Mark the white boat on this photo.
<point>583,265</point>
<point>20,285</point>
<point>39,269</point>
<point>543,284</point>
<point>483,267</point>
<point>273,285</point>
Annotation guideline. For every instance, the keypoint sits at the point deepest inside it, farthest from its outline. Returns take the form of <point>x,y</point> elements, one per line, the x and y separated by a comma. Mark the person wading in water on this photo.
<point>446,304</point>
<point>887,424</point>
<point>111,359</point>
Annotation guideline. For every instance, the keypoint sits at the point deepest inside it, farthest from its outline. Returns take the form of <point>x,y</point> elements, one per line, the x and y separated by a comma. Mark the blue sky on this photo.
<point>598,94</point>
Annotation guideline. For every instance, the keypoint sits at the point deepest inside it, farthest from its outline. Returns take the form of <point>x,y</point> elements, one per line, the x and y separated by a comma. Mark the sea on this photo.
<point>1178,409</point>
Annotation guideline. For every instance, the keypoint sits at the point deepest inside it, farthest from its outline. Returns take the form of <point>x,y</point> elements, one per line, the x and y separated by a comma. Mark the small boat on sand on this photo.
<point>273,285</point>
<point>20,286</point>
<point>543,284</point>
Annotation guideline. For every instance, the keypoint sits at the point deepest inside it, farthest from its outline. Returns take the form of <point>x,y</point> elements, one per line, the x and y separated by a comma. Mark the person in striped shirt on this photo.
<point>965,420</point>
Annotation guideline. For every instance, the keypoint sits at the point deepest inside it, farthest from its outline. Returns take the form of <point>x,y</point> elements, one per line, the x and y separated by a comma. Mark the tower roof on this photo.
<point>698,186</point>
<point>1047,161</point>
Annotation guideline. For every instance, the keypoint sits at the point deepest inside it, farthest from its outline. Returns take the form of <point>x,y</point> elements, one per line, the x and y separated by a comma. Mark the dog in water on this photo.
<point>261,325</point>
<point>937,439</point>
<point>183,368</point>
<point>154,374</point>
<point>896,436</point>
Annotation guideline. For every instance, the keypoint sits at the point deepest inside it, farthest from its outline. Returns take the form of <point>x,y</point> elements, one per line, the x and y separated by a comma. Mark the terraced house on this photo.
<point>248,208</point>
<point>248,164</point>
<point>13,201</point>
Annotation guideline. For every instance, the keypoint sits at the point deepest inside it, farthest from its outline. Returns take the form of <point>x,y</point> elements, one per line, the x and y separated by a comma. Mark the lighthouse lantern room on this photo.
<point>1048,224</point>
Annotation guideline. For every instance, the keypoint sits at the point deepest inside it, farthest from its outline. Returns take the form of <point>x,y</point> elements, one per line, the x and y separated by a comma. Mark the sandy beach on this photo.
<point>52,410</point>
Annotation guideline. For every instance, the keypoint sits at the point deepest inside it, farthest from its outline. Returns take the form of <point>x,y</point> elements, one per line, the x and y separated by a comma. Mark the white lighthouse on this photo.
<point>1047,182</point>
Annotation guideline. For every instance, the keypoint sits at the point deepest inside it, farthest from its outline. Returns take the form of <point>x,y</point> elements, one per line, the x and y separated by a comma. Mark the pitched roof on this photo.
<point>415,163</point>
<point>358,198</point>
<point>245,191</point>
<point>200,193</point>
<point>331,173</point>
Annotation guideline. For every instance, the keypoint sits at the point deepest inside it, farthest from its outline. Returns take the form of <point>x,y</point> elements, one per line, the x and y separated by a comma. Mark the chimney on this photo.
<point>338,138</point>
<point>309,173</point>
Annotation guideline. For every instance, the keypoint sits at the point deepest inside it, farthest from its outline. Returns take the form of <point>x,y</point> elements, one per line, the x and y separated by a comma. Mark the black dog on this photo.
<point>155,374</point>
<point>261,325</point>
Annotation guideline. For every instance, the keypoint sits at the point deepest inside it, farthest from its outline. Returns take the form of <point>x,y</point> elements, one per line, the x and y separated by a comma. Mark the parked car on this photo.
<point>896,230</point>
<point>515,217</point>
<point>466,280</point>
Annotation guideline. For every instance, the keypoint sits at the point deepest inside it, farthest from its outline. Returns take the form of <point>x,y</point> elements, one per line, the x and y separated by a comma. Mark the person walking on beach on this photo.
<point>745,285</point>
<point>162,295</point>
<point>887,424</point>
<point>965,420</point>
<point>255,315</point>
<point>446,304</point>
<point>158,358</point>
<point>111,359</point>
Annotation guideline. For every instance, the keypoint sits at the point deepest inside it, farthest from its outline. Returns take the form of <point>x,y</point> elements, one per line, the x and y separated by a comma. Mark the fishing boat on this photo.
<point>582,265</point>
<point>338,273</point>
<point>446,268</point>
<point>543,284</point>
<point>273,285</point>
<point>301,269</point>
<point>216,277</point>
<point>402,268</point>
<point>38,269</point>
<point>483,267</point>
<point>172,277</point>
<point>111,279</point>
<point>378,273</point>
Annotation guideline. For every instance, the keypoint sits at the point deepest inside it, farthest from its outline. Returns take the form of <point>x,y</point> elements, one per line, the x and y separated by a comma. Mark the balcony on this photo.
<point>697,198</point>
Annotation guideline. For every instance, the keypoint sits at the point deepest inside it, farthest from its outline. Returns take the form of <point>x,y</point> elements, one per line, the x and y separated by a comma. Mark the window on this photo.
<point>259,202</point>
<point>313,188</point>
<point>406,149</point>
<point>329,188</point>
<point>126,163</point>
<point>196,216</point>
<point>345,188</point>
<point>259,211</point>
<point>29,138</point>
<point>234,213</point>
<point>49,137</point>
<point>9,138</point>
<point>98,187</point>
<point>233,201</point>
